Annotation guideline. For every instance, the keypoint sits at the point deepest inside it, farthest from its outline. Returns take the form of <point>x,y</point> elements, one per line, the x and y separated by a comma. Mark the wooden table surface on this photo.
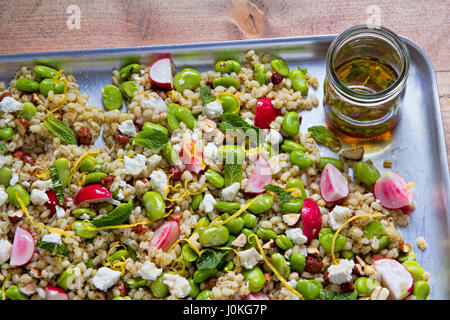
<point>43,25</point>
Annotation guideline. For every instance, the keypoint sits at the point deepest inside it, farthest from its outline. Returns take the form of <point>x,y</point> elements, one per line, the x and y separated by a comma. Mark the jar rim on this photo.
<point>376,31</point>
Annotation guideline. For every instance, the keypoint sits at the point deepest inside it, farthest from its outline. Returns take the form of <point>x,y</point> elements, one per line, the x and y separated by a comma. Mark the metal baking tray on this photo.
<point>417,146</point>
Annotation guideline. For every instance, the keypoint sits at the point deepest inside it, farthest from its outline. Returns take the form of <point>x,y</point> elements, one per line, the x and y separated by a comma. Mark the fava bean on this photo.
<point>310,289</point>
<point>27,85</point>
<point>230,154</point>
<point>230,104</point>
<point>235,225</point>
<point>229,266</point>
<point>21,192</point>
<point>421,290</point>
<point>364,286</point>
<point>150,125</point>
<point>188,253</point>
<point>266,234</point>
<point>260,73</point>
<point>283,242</point>
<point>196,200</point>
<point>128,89</point>
<point>159,288</point>
<point>262,204</point>
<point>203,275</point>
<point>326,239</point>
<point>280,66</point>
<point>292,206</point>
<point>66,279</point>
<point>5,175</point>
<point>289,145</point>
<point>250,242</point>
<point>227,66</point>
<point>170,154</point>
<point>300,159</point>
<point>28,111</point>
<point>213,236</point>
<point>250,220</point>
<point>291,124</point>
<point>13,293</point>
<point>373,229</point>
<point>79,212</point>
<point>119,255</point>
<point>347,254</point>
<point>87,164</point>
<point>325,160</point>
<point>227,207</point>
<point>128,70</point>
<point>202,223</point>
<point>226,82</point>
<point>81,231</point>
<point>383,242</point>
<point>366,173</point>
<point>410,255</point>
<point>6,133</point>
<point>188,79</point>
<point>112,98</point>
<point>62,165</point>
<point>94,177</point>
<point>298,81</point>
<point>297,262</point>
<point>415,269</point>
<point>177,113</point>
<point>44,72</point>
<point>255,278</point>
<point>136,283</point>
<point>195,289</point>
<point>215,178</point>
<point>154,205</point>
<point>204,295</point>
<point>296,184</point>
<point>281,265</point>
<point>122,298</point>
<point>48,85</point>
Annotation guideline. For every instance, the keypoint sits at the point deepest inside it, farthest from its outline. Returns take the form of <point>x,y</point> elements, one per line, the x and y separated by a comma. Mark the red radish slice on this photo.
<point>23,248</point>
<point>312,219</point>
<point>392,191</point>
<point>191,156</point>
<point>395,277</point>
<point>256,296</point>
<point>161,73</point>
<point>55,293</point>
<point>52,202</point>
<point>166,235</point>
<point>260,177</point>
<point>333,184</point>
<point>92,193</point>
<point>265,113</point>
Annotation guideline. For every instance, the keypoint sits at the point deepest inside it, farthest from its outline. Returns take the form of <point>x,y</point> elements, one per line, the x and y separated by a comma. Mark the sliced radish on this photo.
<point>256,296</point>
<point>53,202</point>
<point>392,191</point>
<point>92,193</point>
<point>265,113</point>
<point>161,73</point>
<point>260,177</point>
<point>395,277</point>
<point>23,248</point>
<point>166,235</point>
<point>55,293</point>
<point>333,184</point>
<point>191,156</point>
<point>312,219</point>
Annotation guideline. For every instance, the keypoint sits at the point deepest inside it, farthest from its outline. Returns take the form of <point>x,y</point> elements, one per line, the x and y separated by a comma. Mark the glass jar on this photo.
<point>356,108</point>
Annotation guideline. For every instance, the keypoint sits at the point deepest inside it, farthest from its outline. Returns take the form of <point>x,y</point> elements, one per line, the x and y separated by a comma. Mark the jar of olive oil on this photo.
<point>366,73</point>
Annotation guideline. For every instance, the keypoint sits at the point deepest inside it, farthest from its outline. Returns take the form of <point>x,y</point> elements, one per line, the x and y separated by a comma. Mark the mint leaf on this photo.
<point>60,129</point>
<point>56,249</point>
<point>324,136</point>
<point>234,121</point>
<point>284,196</point>
<point>232,173</point>
<point>57,185</point>
<point>205,93</point>
<point>152,139</point>
<point>209,260</point>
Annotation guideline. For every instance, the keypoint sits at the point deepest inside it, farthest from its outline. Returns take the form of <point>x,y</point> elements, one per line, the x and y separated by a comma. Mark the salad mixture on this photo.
<point>194,186</point>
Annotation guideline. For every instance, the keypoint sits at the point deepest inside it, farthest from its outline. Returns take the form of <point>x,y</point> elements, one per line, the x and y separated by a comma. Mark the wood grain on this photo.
<point>41,25</point>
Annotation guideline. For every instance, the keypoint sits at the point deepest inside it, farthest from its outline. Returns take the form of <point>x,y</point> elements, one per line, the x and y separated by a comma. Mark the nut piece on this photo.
<point>269,244</point>
<point>28,289</point>
<point>240,241</point>
<point>6,94</point>
<point>379,293</point>
<point>421,243</point>
<point>354,154</point>
<point>36,100</point>
<point>22,125</point>
<point>84,135</point>
<point>347,287</point>
<point>210,283</point>
<point>107,181</point>
<point>25,157</point>
<point>313,251</point>
<point>291,219</point>
<point>122,138</point>
<point>139,229</point>
<point>15,216</point>
<point>313,264</point>
<point>387,164</point>
<point>175,172</point>
<point>403,247</point>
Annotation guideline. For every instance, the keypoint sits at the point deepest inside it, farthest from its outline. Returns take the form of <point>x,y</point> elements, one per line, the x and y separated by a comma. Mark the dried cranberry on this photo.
<point>276,78</point>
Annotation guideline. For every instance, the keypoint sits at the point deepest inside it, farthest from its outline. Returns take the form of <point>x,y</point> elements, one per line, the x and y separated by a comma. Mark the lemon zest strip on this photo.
<point>237,213</point>
<point>232,95</point>
<point>191,244</point>
<point>116,264</point>
<point>45,173</point>
<point>76,166</point>
<point>81,178</point>
<point>409,185</point>
<point>274,270</point>
<point>177,262</point>
<point>296,192</point>
<point>39,225</point>
<point>193,152</point>
<point>333,242</point>
<point>237,257</point>
<point>3,286</point>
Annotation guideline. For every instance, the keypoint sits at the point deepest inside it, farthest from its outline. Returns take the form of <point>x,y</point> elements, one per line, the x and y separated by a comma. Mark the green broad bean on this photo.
<point>170,154</point>
<point>188,79</point>
<point>289,145</point>
<point>229,266</point>
<point>326,239</point>
<point>296,184</point>
<point>122,298</point>
<point>150,125</point>
<point>204,295</point>
<point>215,178</point>
<point>128,89</point>
<point>5,176</point>
<point>298,81</point>
<point>347,254</point>
<point>203,222</point>
<point>300,159</point>
<point>177,114</point>
<point>325,160</point>
<point>235,225</point>
<point>28,111</point>
<point>203,275</point>
<point>415,269</point>
<point>283,242</point>
<point>226,82</point>
<point>44,72</point>
<point>410,255</point>
<point>136,283</point>
<point>128,70</point>
<point>230,104</point>
<point>297,262</point>
<point>227,207</point>
<point>366,173</point>
<point>230,154</point>
<point>421,290</point>
<point>62,165</point>
<point>266,234</point>
<point>6,133</point>
<point>154,205</point>
<point>255,278</point>
<point>195,289</point>
<point>292,206</point>
<point>250,220</point>
<point>262,204</point>
<point>94,177</point>
<point>281,265</point>
<point>213,236</point>
<point>21,192</point>
<point>310,289</point>
<point>13,293</point>
<point>383,242</point>
<point>112,98</point>
<point>66,279</point>
<point>81,231</point>
<point>159,288</point>
<point>48,85</point>
<point>291,124</point>
<point>260,73</point>
<point>87,164</point>
<point>373,229</point>
<point>196,200</point>
<point>188,253</point>
<point>250,242</point>
<point>364,286</point>
<point>79,212</point>
<point>324,231</point>
<point>119,255</point>
<point>227,66</point>
<point>27,85</point>
<point>280,66</point>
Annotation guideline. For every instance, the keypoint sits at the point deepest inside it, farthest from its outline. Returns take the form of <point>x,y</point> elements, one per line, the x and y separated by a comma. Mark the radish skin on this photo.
<point>392,191</point>
<point>395,277</point>
<point>333,184</point>
<point>260,177</point>
<point>161,73</point>
<point>92,193</point>
<point>55,293</point>
<point>23,247</point>
<point>166,235</point>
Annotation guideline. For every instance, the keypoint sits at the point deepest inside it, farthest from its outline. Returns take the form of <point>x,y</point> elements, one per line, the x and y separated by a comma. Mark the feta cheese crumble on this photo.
<point>338,216</point>
<point>158,181</point>
<point>213,109</point>
<point>149,271</point>
<point>5,250</point>
<point>156,104</point>
<point>134,166</point>
<point>230,192</point>
<point>274,137</point>
<point>9,104</point>
<point>127,127</point>
<point>60,212</point>
<point>52,237</point>
<point>342,272</point>
<point>178,285</point>
<point>3,195</point>
<point>105,278</point>
<point>296,235</point>
<point>249,258</point>
<point>208,203</point>
<point>38,197</point>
